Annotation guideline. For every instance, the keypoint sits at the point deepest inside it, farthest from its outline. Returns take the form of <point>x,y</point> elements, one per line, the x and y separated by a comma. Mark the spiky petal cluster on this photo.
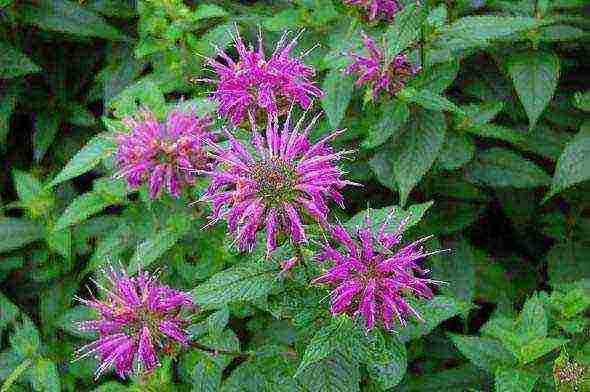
<point>136,317</point>
<point>154,152</point>
<point>270,186</point>
<point>376,8</point>
<point>376,73</point>
<point>372,279</point>
<point>254,82</point>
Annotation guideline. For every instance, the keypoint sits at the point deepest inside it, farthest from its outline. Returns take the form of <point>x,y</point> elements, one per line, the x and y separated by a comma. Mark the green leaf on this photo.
<point>566,262</point>
<point>111,246</point>
<point>81,208</point>
<point>458,151</point>
<point>458,268</point>
<point>338,91</point>
<point>152,248</point>
<point>573,165</point>
<point>438,16</point>
<point>437,78</point>
<point>7,104</point>
<point>389,367</point>
<point>247,282</point>
<point>561,33</point>
<point>61,242</point>
<point>379,216</point>
<point>25,339</point>
<point>44,376</point>
<point>145,93</point>
<point>537,348</point>
<point>80,115</point>
<point>403,31</point>
<point>498,167</point>
<point>217,321</point>
<point>417,150</point>
<point>478,114</point>
<point>206,11</point>
<point>535,77</point>
<point>532,321</point>
<point>497,132</point>
<point>333,374</point>
<point>395,114</point>
<point>582,100</point>
<point>220,34</point>
<point>427,99</point>
<point>13,63</point>
<point>434,312</point>
<point>486,353</point>
<point>8,313</point>
<point>16,232</point>
<point>69,17</point>
<point>460,379</point>
<point>31,193</point>
<point>474,31</point>
<point>46,128</point>
<point>509,380</point>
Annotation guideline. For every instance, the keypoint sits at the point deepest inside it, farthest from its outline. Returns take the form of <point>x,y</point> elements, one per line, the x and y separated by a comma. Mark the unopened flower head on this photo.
<point>255,82</point>
<point>162,154</point>
<point>377,8</point>
<point>380,75</point>
<point>372,278</point>
<point>274,184</point>
<point>136,318</point>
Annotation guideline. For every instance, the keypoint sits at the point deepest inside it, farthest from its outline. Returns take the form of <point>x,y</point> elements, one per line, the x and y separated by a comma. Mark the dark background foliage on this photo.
<point>495,132</point>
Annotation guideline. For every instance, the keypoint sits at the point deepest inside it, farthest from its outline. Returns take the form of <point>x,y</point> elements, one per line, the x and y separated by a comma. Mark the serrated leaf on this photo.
<point>509,380</point>
<point>537,348</point>
<point>497,132</point>
<point>206,11</point>
<point>81,208</point>
<point>458,151</point>
<point>389,367</point>
<point>246,282</point>
<point>338,91</point>
<point>16,232</point>
<point>110,247</point>
<point>417,150</point>
<point>573,165</point>
<point>69,17</point>
<point>25,339</point>
<point>98,148</point>
<point>561,33</point>
<point>434,312</point>
<point>146,93</point>
<point>474,31</point>
<point>532,321</point>
<point>160,242</point>
<point>218,320</point>
<point>8,313</point>
<point>44,376</point>
<point>498,167</point>
<point>566,262</point>
<point>488,354</point>
<point>404,30</point>
<point>389,125</point>
<point>334,374</point>
<point>535,77</point>
<point>46,129</point>
<point>428,99</point>
<point>379,216</point>
<point>458,268</point>
<point>14,63</point>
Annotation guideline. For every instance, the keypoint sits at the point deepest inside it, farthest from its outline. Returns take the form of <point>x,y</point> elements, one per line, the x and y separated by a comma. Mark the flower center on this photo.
<point>275,179</point>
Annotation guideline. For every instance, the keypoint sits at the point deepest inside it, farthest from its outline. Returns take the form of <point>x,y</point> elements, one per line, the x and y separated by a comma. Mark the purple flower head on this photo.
<point>154,152</point>
<point>371,278</point>
<point>376,8</point>
<point>275,183</point>
<point>137,317</point>
<point>374,72</point>
<point>254,82</point>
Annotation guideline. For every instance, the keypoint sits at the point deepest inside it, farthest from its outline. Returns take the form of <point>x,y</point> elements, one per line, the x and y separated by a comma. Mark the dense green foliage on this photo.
<point>488,148</point>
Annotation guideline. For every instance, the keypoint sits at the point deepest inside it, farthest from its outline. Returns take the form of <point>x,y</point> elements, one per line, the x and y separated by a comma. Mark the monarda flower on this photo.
<point>254,82</point>
<point>376,73</point>
<point>377,8</point>
<point>155,152</point>
<point>371,278</point>
<point>276,184</point>
<point>137,317</point>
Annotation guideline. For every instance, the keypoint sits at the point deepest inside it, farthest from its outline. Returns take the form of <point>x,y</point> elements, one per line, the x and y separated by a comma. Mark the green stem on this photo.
<point>15,375</point>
